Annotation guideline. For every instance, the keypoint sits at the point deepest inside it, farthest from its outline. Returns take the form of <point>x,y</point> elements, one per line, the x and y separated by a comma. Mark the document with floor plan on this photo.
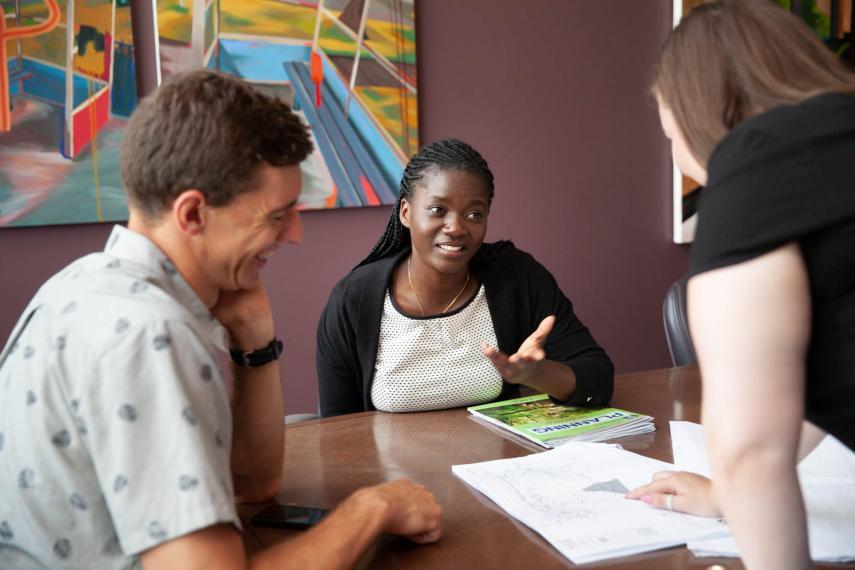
<point>827,479</point>
<point>573,496</point>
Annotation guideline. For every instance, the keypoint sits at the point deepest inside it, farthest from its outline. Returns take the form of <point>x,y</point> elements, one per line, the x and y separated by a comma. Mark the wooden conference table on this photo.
<point>326,460</point>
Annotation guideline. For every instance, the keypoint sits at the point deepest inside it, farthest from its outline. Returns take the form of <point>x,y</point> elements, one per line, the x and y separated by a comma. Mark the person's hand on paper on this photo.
<point>678,491</point>
<point>521,366</point>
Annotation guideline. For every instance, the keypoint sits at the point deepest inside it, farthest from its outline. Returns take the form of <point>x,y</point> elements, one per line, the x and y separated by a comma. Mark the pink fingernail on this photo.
<point>647,499</point>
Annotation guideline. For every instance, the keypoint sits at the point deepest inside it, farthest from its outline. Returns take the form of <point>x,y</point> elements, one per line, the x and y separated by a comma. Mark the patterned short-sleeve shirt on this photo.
<point>115,426</point>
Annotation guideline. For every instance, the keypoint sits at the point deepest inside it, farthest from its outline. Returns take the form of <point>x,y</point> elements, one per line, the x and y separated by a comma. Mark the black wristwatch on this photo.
<point>256,358</point>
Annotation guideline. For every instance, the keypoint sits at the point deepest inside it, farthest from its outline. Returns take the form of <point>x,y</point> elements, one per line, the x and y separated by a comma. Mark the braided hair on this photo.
<point>445,154</point>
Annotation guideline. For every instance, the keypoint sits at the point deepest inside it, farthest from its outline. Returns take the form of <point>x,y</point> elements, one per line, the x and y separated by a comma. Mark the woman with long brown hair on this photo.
<point>763,114</point>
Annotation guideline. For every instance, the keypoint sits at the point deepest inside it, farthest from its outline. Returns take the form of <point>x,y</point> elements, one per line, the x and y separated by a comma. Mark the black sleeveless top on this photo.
<point>788,175</point>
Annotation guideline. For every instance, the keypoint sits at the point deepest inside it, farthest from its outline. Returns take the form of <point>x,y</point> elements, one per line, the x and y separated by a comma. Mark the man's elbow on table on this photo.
<point>257,489</point>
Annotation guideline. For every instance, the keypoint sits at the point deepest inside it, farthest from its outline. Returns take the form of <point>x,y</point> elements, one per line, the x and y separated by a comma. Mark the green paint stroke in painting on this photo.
<point>232,20</point>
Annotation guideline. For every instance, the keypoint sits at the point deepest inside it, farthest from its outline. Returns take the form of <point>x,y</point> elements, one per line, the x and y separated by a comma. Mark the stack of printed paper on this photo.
<point>539,419</point>
<point>827,477</point>
<point>574,497</point>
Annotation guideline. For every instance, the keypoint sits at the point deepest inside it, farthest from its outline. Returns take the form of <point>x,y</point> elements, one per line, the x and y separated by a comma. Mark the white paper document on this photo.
<point>574,497</point>
<point>827,478</point>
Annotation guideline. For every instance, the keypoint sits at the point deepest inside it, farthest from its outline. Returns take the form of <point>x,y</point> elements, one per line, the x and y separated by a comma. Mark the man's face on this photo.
<point>241,236</point>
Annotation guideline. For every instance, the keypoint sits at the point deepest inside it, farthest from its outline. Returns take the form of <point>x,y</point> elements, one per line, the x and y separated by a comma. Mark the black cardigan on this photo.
<point>520,294</point>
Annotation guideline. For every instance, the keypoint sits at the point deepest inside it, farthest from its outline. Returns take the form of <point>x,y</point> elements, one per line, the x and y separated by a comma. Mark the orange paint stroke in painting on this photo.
<point>367,189</point>
<point>317,76</point>
<point>331,199</point>
<point>10,34</point>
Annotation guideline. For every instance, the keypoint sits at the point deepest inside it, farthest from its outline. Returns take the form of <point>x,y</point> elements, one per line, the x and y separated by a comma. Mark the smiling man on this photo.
<point>119,443</point>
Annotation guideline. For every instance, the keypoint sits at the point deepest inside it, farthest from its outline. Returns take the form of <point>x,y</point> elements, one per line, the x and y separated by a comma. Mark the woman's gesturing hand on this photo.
<point>521,366</point>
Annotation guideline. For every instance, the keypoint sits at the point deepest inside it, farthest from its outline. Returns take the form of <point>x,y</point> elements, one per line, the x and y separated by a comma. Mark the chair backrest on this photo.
<point>677,325</point>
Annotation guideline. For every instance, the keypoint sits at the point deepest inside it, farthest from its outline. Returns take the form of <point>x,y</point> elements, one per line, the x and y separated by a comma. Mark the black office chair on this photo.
<point>677,325</point>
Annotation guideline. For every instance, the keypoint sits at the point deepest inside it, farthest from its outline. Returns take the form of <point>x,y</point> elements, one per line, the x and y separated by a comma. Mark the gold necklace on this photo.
<point>419,301</point>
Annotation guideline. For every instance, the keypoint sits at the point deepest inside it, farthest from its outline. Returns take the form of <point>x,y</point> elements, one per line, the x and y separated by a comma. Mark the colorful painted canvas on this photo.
<point>67,88</point>
<point>347,66</point>
<point>831,20</point>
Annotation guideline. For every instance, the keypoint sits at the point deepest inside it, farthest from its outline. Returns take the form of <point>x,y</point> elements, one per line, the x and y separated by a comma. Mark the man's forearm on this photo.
<point>345,534</point>
<point>258,446</point>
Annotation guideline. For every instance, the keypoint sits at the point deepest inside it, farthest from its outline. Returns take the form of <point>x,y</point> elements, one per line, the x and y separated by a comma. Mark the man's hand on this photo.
<point>411,510</point>
<point>521,366</point>
<point>247,315</point>
<point>398,507</point>
<point>689,493</point>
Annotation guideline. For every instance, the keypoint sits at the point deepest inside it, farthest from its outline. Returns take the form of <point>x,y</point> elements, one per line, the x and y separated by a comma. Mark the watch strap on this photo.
<point>259,357</point>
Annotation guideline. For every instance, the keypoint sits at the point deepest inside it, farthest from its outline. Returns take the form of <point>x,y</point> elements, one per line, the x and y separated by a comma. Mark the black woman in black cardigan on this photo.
<point>435,318</point>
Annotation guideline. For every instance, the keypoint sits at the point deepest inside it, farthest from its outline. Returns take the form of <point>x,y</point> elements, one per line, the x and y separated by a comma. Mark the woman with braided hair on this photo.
<point>434,318</point>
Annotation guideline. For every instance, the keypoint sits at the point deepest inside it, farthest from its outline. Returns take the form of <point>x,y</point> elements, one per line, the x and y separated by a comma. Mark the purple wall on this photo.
<point>555,98</point>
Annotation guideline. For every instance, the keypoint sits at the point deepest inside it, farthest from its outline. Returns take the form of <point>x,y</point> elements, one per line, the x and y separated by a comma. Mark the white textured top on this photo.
<point>115,425</point>
<point>432,363</point>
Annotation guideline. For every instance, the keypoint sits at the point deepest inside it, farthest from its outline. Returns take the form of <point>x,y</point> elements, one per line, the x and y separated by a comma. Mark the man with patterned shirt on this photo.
<point>119,443</point>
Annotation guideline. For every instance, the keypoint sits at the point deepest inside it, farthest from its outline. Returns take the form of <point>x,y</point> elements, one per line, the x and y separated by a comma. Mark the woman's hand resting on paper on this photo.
<point>679,491</point>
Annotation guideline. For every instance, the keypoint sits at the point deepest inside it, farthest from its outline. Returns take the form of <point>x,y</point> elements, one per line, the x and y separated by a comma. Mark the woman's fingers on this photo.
<point>520,358</point>
<point>678,491</point>
<point>667,501</point>
<point>661,485</point>
<point>509,367</point>
<point>544,328</point>
<point>535,340</point>
<point>692,504</point>
<point>495,355</point>
<point>499,360</point>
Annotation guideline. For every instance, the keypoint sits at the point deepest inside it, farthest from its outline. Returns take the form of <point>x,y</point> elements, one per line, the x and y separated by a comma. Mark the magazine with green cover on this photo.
<point>546,423</point>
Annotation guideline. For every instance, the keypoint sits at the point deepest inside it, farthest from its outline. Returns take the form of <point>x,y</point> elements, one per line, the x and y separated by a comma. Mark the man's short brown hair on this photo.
<point>208,131</point>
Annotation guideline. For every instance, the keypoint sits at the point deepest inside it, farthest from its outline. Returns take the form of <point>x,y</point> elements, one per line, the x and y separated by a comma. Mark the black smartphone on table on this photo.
<point>289,516</point>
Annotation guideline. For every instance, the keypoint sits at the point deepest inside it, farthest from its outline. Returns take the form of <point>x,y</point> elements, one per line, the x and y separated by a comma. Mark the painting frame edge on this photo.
<point>678,235</point>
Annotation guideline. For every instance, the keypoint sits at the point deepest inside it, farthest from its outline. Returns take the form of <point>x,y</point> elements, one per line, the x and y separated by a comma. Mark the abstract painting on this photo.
<point>67,87</point>
<point>348,67</point>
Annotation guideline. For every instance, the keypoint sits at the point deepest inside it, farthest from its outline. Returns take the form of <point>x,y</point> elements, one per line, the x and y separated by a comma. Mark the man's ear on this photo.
<point>190,210</point>
<point>404,213</point>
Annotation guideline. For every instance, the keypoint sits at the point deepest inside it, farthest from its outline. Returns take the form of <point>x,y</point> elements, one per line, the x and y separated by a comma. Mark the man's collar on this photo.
<point>134,247</point>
